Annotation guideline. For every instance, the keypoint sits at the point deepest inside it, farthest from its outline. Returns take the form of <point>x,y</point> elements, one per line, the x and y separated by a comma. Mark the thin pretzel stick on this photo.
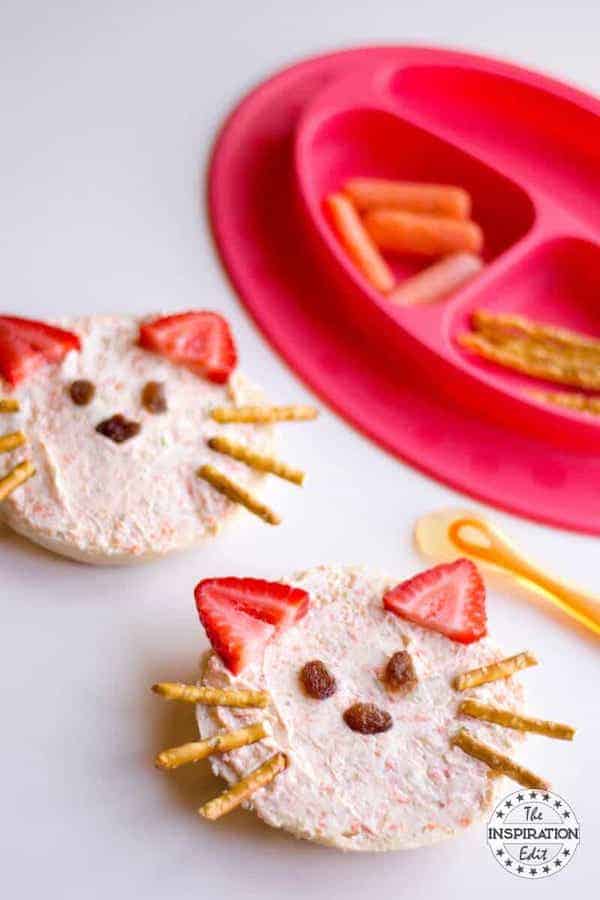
<point>507,327</point>
<point>9,405</point>
<point>18,476</point>
<point>264,415</point>
<point>210,696</point>
<point>510,719</point>
<point>497,761</point>
<point>501,669</point>
<point>10,442</point>
<point>575,400</point>
<point>219,743</point>
<point>238,494</point>
<point>539,344</point>
<point>256,460</point>
<point>514,356</point>
<point>244,788</point>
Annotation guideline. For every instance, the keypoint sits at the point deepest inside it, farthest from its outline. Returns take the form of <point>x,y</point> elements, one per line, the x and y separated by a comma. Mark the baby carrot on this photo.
<point>437,280</point>
<point>358,244</point>
<point>434,199</point>
<point>404,232</point>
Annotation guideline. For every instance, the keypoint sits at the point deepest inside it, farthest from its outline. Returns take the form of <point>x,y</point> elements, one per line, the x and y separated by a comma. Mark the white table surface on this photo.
<point>108,111</point>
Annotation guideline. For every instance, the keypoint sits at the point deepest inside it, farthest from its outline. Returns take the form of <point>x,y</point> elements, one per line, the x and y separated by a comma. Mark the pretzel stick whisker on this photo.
<point>210,696</point>
<point>11,441</point>
<point>260,461</point>
<point>238,494</point>
<point>15,478</point>
<point>219,743</point>
<point>509,719</point>
<point>498,762</point>
<point>9,405</point>
<point>264,415</point>
<point>243,789</point>
<point>494,671</point>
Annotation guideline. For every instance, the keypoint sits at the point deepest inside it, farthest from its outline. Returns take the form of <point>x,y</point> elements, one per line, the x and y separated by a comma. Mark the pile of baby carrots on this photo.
<point>371,215</point>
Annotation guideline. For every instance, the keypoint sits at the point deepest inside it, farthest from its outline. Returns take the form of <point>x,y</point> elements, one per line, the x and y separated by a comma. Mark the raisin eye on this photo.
<point>400,676</point>
<point>82,392</point>
<point>153,397</point>
<point>317,680</point>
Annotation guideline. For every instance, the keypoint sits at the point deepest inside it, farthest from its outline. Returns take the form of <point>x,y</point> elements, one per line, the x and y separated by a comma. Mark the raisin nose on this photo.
<point>118,428</point>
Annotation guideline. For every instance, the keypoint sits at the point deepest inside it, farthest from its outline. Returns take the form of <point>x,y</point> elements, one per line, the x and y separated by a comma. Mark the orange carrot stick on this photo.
<point>437,280</point>
<point>404,232</point>
<point>358,244</point>
<point>434,199</point>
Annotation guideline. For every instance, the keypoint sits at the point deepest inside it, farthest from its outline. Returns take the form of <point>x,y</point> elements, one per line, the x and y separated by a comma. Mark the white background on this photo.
<point>108,111</point>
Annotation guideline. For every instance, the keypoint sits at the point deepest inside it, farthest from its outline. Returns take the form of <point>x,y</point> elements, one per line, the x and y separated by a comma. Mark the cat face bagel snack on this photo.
<point>125,439</point>
<point>356,711</point>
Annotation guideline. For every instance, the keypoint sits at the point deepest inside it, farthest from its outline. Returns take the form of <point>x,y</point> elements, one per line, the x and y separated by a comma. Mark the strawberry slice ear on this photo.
<point>449,598</point>
<point>26,345</point>
<point>200,341</point>
<point>240,615</point>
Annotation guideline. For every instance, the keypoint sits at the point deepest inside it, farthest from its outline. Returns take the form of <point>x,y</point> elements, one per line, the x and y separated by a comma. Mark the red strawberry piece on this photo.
<point>25,345</point>
<point>449,598</point>
<point>239,639</point>
<point>270,601</point>
<point>200,341</point>
<point>241,614</point>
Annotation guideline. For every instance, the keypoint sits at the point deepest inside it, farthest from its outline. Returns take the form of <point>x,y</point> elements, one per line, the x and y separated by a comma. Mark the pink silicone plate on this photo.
<point>523,145</point>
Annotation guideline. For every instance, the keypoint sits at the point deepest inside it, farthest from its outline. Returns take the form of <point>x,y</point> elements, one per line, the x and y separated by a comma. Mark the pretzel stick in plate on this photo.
<point>264,415</point>
<point>9,405</point>
<point>219,743</point>
<point>15,478</point>
<point>10,442</point>
<point>498,762</point>
<point>502,327</point>
<point>238,494</point>
<point>244,788</point>
<point>494,671</point>
<point>255,460</point>
<point>210,696</point>
<point>569,400</point>
<point>518,356</point>
<point>510,719</point>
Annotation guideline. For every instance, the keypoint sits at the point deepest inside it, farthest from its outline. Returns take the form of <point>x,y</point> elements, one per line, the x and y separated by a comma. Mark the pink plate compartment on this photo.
<point>522,145</point>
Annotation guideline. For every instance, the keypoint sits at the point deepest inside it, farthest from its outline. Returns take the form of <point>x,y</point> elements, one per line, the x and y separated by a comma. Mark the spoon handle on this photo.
<point>498,552</point>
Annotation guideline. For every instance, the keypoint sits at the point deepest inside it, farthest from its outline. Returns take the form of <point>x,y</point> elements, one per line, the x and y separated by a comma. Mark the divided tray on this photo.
<point>526,148</point>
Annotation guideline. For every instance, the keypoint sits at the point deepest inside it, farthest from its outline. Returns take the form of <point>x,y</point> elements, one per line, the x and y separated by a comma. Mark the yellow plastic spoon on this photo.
<point>447,534</point>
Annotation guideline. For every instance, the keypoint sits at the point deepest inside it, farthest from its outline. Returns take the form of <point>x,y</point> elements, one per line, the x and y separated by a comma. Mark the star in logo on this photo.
<point>566,814</point>
<point>566,852</point>
<point>557,863</point>
<point>557,803</point>
<point>499,814</point>
<point>508,803</point>
<point>520,798</point>
<point>520,869</point>
<point>546,797</point>
<point>499,852</point>
<point>533,795</point>
<point>508,862</point>
<point>533,871</point>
